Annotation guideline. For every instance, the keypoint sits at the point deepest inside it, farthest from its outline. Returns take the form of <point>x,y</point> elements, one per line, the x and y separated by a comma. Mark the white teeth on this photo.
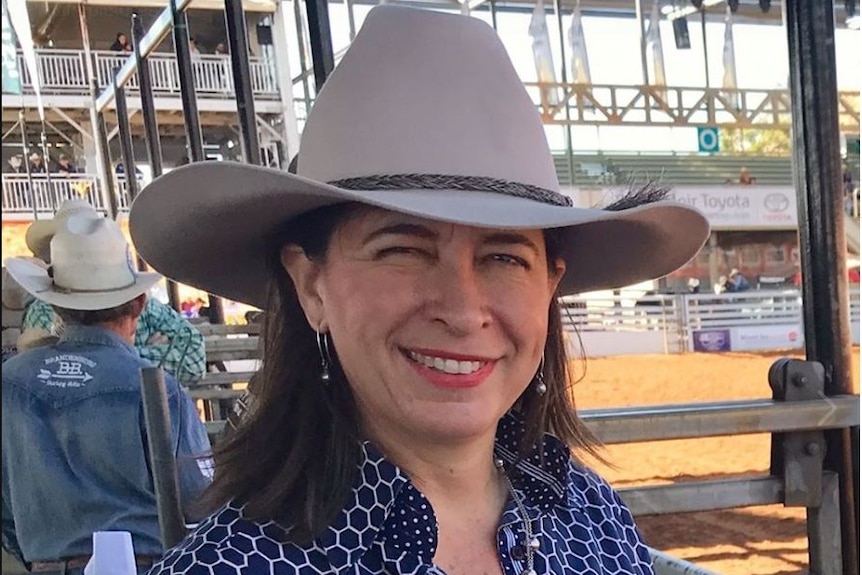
<point>468,366</point>
<point>446,365</point>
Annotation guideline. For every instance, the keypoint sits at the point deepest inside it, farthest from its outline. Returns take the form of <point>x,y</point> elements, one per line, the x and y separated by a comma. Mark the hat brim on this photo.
<point>35,281</point>
<point>175,227</point>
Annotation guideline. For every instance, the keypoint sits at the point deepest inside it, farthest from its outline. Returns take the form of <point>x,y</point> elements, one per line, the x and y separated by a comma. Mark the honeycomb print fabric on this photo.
<point>389,527</point>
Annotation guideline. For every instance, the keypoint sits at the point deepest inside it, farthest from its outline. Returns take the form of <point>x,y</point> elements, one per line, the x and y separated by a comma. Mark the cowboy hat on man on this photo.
<point>94,271</point>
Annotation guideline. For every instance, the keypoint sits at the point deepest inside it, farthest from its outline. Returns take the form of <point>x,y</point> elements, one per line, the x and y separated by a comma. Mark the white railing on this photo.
<point>64,72</point>
<point>647,313</point>
<point>21,194</point>
<point>747,321</point>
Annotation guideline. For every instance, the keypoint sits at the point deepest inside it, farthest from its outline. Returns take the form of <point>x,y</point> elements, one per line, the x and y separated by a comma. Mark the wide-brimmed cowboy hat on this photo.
<point>38,235</point>
<point>91,267</point>
<point>425,115</point>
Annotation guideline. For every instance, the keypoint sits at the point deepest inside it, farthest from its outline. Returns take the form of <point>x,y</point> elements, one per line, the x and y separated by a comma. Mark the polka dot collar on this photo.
<point>384,505</point>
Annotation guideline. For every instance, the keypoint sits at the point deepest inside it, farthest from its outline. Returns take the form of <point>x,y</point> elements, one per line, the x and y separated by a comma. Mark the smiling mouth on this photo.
<point>446,365</point>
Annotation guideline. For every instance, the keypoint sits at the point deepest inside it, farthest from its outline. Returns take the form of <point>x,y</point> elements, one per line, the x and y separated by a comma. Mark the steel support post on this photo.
<point>191,118</point>
<point>188,95</point>
<point>157,419</point>
<point>237,35</point>
<point>110,193</point>
<point>151,128</point>
<point>320,39</point>
<point>127,149</point>
<point>817,175</point>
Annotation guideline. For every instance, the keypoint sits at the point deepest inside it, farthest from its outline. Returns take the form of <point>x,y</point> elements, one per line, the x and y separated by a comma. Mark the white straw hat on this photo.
<point>91,267</point>
<point>425,115</point>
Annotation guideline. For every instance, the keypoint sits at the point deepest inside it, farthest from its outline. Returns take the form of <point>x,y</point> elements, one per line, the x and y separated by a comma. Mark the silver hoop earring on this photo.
<point>325,358</point>
<point>541,388</point>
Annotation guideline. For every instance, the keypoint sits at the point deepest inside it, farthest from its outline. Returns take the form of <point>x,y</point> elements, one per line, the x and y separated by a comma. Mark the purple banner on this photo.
<point>711,340</point>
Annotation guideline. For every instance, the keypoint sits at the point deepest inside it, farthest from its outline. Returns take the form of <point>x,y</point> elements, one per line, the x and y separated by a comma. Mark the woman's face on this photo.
<point>439,327</point>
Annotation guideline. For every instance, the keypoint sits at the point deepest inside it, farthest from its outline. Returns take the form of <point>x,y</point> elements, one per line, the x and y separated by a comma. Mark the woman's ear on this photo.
<point>555,274</point>
<point>305,274</point>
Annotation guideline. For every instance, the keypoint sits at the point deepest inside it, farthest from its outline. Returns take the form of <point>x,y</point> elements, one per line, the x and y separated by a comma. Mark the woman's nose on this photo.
<point>457,297</point>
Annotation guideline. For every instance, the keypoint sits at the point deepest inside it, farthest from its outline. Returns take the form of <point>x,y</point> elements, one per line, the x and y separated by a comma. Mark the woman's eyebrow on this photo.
<point>512,238</point>
<point>401,229</point>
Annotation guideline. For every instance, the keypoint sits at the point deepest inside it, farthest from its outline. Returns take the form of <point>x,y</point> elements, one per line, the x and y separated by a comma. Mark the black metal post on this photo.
<point>151,128</point>
<point>237,36</point>
<point>493,7</point>
<point>148,107</point>
<point>157,418</point>
<point>320,38</point>
<point>110,194</point>
<point>194,138</point>
<point>128,151</point>
<point>817,174</point>
<point>125,133</point>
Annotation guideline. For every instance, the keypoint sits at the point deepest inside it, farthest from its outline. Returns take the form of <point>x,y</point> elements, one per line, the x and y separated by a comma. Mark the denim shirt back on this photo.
<point>75,447</point>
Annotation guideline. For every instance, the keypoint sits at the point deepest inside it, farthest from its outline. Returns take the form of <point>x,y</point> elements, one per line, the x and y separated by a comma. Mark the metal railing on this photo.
<point>596,104</point>
<point>20,196</point>
<point>668,323</point>
<point>64,72</point>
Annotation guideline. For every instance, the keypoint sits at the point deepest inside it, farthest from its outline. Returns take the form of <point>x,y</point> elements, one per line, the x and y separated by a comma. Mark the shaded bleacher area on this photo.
<point>676,169</point>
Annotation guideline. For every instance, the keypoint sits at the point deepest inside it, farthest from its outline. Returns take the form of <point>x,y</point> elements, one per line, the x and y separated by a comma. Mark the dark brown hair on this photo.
<point>97,316</point>
<point>294,458</point>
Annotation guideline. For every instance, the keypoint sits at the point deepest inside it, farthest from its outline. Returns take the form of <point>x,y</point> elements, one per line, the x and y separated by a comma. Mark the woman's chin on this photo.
<point>455,423</point>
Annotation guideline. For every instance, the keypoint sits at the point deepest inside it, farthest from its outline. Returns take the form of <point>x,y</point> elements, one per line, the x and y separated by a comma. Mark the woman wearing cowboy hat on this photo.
<point>414,411</point>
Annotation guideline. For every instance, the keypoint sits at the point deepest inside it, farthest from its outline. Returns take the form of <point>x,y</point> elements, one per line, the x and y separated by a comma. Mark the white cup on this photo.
<point>113,554</point>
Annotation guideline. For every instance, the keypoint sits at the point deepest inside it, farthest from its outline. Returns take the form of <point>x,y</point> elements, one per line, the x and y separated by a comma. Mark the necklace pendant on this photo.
<point>534,543</point>
<point>529,571</point>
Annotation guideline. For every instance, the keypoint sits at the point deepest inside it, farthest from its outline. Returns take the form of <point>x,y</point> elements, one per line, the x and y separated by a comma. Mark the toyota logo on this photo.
<point>776,202</point>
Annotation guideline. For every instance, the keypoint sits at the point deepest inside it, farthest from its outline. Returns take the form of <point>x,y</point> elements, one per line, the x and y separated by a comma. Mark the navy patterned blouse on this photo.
<point>388,526</point>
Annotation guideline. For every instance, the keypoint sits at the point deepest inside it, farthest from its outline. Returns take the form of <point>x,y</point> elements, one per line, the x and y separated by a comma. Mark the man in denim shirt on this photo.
<point>74,441</point>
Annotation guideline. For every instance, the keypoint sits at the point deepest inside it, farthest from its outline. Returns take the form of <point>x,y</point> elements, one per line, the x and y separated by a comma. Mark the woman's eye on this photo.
<point>511,260</point>
<point>402,250</point>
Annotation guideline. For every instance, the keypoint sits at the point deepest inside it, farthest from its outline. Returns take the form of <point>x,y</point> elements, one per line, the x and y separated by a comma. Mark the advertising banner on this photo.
<point>711,340</point>
<point>766,337</point>
<point>727,207</point>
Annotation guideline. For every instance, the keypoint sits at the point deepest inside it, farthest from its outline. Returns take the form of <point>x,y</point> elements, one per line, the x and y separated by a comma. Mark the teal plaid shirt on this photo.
<point>183,356</point>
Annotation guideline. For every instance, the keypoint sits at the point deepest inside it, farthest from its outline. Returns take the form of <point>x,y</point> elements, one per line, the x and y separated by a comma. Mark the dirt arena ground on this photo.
<point>766,540</point>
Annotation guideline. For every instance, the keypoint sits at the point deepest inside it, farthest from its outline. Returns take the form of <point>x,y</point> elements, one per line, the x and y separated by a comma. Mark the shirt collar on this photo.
<point>93,334</point>
<point>384,502</point>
